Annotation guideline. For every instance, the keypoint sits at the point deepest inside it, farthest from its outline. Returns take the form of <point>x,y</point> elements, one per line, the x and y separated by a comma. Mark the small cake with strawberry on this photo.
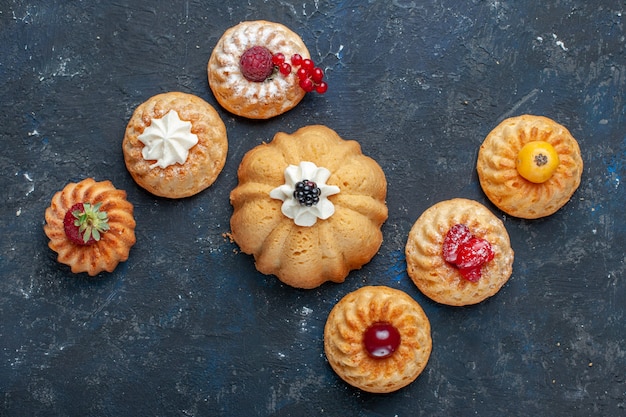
<point>529,166</point>
<point>90,226</point>
<point>459,253</point>
<point>377,339</point>
<point>261,69</point>
<point>175,145</point>
<point>309,207</point>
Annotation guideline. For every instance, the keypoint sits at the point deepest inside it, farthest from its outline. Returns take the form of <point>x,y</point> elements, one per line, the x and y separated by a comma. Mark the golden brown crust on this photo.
<point>438,279</point>
<point>511,192</point>
<point>255,100</point>
<point>114,244</point>
<point>306,257</point>
<point>343,339</point>
<point>205,160</point>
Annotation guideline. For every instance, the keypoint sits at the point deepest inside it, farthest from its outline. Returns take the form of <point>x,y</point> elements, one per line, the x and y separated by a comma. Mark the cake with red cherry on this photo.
<point>377,339</point>
<point>260,69</point>
<point>91,226</point>
<point>309,207</point>
<point>459,253</point>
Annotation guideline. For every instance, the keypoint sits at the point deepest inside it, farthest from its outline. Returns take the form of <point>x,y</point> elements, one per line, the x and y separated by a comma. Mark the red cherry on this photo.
<point>317,75</point>
<point>278,58</point>
<point>321,88</point>
<point>456,236</point>
<point>381,340</point>
<point>306,84</point>
<point>285,68</point>
<point>296,59</point>
<point>474,253</point>
<point>308,65</point>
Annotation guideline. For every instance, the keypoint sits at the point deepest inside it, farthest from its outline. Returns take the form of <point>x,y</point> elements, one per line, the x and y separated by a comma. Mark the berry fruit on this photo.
<point>278,59</point>
<point>475,252</point>
<point>381,340</point>
<point>466,252</point>
<point>84,223</point>
<point>296,60</point>
<point>256,64</point>
<point>307,193</point>
<point>537,161</point>
<point>456,236</point>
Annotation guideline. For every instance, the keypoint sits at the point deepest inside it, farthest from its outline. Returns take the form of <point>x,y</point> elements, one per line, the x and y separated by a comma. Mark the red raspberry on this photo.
<point>256,64</point>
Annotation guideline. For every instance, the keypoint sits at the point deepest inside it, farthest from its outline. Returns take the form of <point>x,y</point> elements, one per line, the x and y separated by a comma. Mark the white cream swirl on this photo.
<point>167,140</point>
<point>303,215</point>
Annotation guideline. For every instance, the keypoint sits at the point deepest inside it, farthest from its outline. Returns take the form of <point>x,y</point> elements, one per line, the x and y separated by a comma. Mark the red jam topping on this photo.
<point>466,251</point>
<point>381,340</point>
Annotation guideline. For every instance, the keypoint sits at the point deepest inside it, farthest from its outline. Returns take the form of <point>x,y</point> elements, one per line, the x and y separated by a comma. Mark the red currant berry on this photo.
<point>302,73</point>
<point>456,236</point>
<point>296,59</point>
<point>285,68</point>
<point>317,75</point>
<point>308,65</point>
<point>321,88</point>
<point>278,58</point>
<point>381,340</point>
<point>307,85</point>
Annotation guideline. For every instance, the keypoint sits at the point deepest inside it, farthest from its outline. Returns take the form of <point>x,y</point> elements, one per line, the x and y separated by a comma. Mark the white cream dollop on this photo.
<point>167,140</point>
<point>305,215</point>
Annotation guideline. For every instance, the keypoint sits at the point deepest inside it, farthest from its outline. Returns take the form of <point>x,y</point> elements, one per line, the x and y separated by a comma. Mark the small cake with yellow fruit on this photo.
<point>529,166</point>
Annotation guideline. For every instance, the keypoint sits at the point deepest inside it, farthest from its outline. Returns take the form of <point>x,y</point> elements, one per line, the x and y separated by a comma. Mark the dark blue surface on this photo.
<point>187,326</point>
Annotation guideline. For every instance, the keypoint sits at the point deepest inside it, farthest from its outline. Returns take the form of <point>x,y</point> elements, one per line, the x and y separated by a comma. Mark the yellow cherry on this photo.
<point>537,161</point>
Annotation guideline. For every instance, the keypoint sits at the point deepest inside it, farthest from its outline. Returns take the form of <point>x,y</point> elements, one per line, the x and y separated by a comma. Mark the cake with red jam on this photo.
<point>377,339</point>
<point>529,166</point>
<point>459,253</point>
<point>91,226</point>
<point>309,207</point>
<point>260,69</point>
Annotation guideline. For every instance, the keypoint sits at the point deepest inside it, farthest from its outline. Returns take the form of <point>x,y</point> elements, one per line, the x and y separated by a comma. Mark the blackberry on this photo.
<point>307,193</point>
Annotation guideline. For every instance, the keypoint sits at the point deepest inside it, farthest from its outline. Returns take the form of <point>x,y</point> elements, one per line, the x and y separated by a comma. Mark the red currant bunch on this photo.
<point>310,77</point>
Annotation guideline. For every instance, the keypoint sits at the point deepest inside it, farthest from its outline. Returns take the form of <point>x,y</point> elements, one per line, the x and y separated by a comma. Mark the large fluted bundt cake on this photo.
<point>91,226</point>
<point>309,207</point>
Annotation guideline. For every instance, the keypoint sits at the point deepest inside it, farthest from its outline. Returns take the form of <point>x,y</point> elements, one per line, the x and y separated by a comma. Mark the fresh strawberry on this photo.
<point>466,252</point>
<point>473,253</point>
<point>84,223</point>
<point>256,64</point>
<point>472,274</point>
<point>456,236</point>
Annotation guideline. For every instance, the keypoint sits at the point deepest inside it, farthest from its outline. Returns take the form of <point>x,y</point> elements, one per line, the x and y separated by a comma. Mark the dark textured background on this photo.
<point>187,327</point>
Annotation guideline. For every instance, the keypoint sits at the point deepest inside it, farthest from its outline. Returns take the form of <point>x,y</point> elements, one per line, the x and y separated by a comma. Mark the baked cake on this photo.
<point>265,87</point>
<point>91,226</point>
<point>175,145</point>
<point>377,339</point>
<point>309,207</point>
<point>459,253</point>
<point>529,166</point>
